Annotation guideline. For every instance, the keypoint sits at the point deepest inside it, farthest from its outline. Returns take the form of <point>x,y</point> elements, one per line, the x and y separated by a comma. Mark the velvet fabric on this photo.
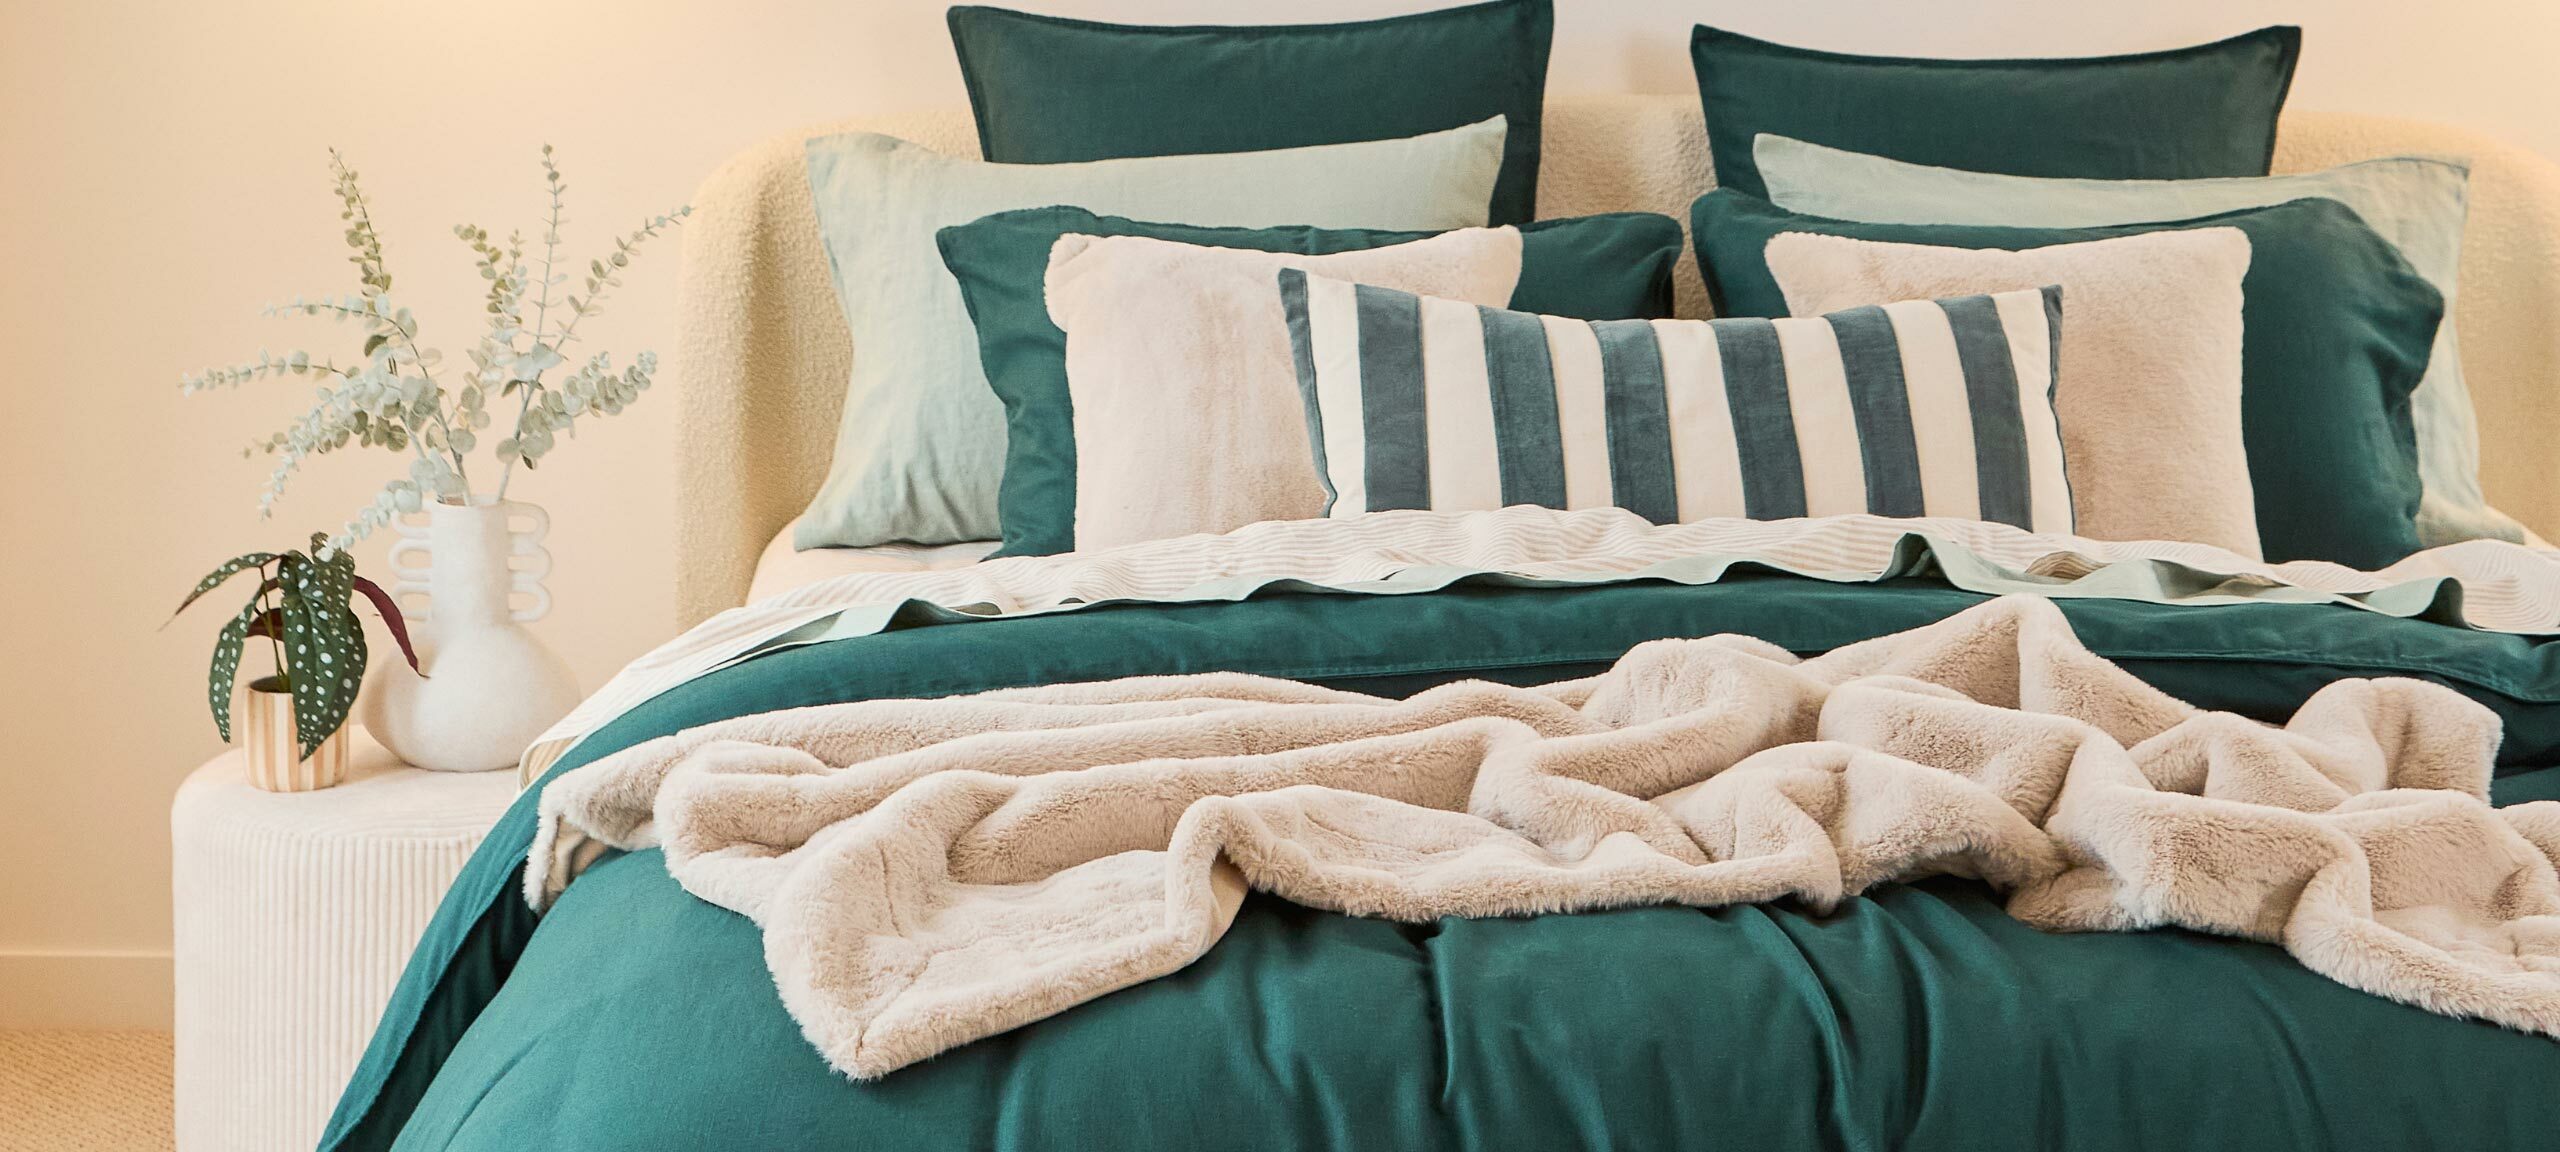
<point>2208,110</point>
<point>1047,89</point>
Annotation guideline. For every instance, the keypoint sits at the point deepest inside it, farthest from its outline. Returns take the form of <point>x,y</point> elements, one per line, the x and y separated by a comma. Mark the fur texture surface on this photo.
<point>2149,391</point>
<point>1187,412</point>
<point>927,873</point>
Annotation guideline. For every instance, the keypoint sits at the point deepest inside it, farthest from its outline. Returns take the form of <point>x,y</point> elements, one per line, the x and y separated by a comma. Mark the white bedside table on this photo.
<point>295,914</point>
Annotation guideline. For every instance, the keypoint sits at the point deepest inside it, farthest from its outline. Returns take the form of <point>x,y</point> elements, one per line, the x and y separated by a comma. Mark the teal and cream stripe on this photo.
<point>276,762</point>
<point>1918,408</point>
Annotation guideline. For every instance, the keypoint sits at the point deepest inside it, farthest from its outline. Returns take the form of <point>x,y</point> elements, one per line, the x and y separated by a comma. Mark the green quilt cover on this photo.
<point>1918,1017</point>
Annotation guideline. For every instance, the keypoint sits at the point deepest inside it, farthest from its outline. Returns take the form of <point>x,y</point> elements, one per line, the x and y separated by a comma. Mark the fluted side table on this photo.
<point>294,915</point>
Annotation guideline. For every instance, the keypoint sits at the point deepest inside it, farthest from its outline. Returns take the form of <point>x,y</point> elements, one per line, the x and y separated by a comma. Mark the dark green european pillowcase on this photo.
<point>1048,89</point>
<point>1609,267</point>
<point>2338,334</point>
<point>2209,110</point>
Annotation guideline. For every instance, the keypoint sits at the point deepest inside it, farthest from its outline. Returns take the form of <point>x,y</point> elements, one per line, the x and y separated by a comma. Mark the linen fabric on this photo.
<point>2149,393</point>
<point>1606,267</point>
<point>1047,89</point>
<point>450,1068</point>
<point>2417,203</point>
<point>920,443</point>
<point>1918,408</point>
<point>2480,584</point>
<point>2337,329</point>
<point>1185,400</point>
<point>929,873</point>
<point>2208,110</point>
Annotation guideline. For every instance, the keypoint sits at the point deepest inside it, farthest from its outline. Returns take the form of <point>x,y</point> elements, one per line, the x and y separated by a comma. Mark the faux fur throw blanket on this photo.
<point>930,872</point>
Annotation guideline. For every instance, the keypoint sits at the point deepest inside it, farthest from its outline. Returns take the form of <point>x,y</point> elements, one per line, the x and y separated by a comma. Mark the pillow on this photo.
<point>1597,267</point>
<point>2417,203</point>
<point>2209,110</point>
<point>1918,408</point>
<point>1047,89</point>
<point>2149,399</point>
<point>2336,331</point>
<point>1185,402</point>
<point>921,443</point>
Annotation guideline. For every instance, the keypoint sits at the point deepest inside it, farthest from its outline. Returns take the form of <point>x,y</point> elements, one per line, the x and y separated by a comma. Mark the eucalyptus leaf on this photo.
<point>393,397</point>
<point>535,362</point>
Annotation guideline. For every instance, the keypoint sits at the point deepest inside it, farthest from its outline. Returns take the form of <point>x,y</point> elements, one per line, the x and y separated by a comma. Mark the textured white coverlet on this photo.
<point>927,873</point>
<point>2505,587</point>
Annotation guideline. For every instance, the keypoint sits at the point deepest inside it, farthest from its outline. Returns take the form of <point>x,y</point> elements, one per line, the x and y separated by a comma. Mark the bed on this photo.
<point>634,1016</point>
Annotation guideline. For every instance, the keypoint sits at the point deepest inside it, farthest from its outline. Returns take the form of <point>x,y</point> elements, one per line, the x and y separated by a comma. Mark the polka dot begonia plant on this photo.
<point>304,609</point>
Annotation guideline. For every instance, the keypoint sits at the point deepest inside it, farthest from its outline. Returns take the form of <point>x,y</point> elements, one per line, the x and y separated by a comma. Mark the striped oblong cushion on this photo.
<point>1918,408</point>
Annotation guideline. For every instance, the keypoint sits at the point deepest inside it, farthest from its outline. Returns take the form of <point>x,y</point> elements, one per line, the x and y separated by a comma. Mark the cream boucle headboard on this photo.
<point>763,356</point>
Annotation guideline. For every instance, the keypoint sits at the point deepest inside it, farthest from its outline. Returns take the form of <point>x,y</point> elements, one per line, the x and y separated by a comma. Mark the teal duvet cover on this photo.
<point>634,1017</point>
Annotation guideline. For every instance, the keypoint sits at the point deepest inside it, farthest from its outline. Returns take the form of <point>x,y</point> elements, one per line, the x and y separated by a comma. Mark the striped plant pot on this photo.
<point>276,762</point>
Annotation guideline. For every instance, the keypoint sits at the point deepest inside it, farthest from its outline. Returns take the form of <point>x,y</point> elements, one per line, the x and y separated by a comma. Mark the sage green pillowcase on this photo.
<point>2336,341</point>
<point>1047,89</point>
<point>2337,338</point>
<point>1610,267</point>
<point>2418,203</point>
<point>2209,110</point>
<point>920,445</point>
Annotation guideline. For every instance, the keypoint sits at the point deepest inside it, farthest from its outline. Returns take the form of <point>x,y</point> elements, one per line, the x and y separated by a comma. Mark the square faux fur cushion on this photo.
<point>2149,392</point>
<point>1187,417</point>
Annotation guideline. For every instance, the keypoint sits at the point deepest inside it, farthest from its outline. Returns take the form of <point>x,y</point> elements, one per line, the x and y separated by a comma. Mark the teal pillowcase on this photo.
<point>2418,203</point>
<point>2337,339</point>
<point>1047,89</point>
<point>2209,110</point>
<point>1610,267</point>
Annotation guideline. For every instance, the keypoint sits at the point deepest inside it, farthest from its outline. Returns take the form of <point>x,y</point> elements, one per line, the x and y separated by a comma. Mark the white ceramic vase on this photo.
<point>490,687</point>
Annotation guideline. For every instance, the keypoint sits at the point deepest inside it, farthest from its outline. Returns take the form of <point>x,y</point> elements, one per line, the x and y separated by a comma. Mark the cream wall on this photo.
<point>162,175</point>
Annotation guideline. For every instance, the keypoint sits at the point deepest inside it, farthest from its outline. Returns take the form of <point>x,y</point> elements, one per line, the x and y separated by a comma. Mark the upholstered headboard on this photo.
<point>763,357</point>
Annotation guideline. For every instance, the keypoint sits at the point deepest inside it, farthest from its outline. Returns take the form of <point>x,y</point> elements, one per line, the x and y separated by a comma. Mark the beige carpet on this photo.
<point>84,1092</point>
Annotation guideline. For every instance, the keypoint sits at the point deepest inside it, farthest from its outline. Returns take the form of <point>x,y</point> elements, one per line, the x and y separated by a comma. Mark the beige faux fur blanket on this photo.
<point>930,872</point>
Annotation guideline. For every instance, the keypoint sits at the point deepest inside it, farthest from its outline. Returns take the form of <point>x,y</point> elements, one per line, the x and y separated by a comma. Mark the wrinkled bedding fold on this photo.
<point>927,873</point>
<point>2480,584</point>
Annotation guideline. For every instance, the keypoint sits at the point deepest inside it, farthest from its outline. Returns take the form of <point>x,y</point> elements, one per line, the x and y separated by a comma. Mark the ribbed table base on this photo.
<point>295,913</point>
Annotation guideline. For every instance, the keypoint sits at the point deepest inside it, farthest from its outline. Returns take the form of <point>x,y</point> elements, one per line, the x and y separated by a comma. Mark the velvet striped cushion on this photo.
<point>1918,408</point>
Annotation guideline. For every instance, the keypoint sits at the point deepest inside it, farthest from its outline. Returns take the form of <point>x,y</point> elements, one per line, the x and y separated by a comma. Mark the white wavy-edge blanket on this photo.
<point>927,873</point>
<point>2505,587</point>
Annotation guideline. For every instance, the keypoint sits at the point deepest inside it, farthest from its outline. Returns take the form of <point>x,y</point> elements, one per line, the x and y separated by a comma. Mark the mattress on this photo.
<point>782,568</point>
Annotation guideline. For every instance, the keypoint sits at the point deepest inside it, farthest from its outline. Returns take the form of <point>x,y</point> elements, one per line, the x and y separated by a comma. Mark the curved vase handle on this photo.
<point>410,559</point>
<point>527,542</point>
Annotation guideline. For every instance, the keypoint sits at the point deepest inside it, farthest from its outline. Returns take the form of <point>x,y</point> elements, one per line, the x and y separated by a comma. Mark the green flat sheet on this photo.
<point>640,1018</point>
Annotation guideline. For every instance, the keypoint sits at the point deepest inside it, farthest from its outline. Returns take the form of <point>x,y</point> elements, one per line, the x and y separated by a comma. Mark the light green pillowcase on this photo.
<point>2417,203</point>
<point>921,444</point>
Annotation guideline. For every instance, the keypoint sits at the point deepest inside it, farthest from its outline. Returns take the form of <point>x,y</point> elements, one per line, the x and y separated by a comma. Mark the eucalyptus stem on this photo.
<point>541,308</point>
<point>461,467</point>
<point>397,398</point>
